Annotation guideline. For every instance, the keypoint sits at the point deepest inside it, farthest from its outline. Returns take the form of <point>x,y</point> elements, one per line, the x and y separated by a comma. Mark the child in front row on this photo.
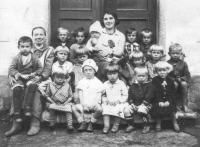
<point>139,92</point>
<point>22,77</point>
<point>114,99</point>
<point>90,90</point>
<point>180,74</point>
<point>59,97</point>
<point>156,54</point>
<point>163,97</point>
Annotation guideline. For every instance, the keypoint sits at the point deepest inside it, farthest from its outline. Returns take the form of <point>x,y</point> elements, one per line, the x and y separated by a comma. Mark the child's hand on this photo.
<point>85,108</point>
<point>166,104</point>
<point>178,79</point>
<point>161,104</point>
<point>25,76</point>
<point>12,80</point>
<point>17,76</point>
<point>36,79</point>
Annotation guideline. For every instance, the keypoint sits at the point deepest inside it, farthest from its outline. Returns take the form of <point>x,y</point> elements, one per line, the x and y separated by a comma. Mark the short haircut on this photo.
<point>85,33</point>
<point>110,13</point>
<point>81,51</point>
<point>112,68</point>
<point>39,27</point>
<point>61,28</point>
<point>129,31</point>
<point>175,46</point>
<point>25,39</point>
<point>156,47</point>
<point>163,65</point>
<point>146,30</point>
<point>141,70</point>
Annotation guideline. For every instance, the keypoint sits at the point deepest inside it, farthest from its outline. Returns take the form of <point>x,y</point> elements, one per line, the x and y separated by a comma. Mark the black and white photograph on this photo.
<point>99,73</point>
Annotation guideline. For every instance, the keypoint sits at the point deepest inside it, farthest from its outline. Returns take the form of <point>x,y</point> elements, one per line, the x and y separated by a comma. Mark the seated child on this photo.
<point>180,74</point>
<point>95,32</point>
<point>80,42</point>
<point>131,41</point>
<point>136,59</point>
<point>59,96</point>
<point>156,54</point>
<point>114,99</point>
<point>90,90</point>
<point>163,96</point>
<point>139,92</point>
<point>22,77</point>
<point>62,54</point>
<point>63,38</point>
<point>146,41</point>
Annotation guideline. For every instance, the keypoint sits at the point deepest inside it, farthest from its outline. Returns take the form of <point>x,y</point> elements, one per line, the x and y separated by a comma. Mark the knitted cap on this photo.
<point>61,49</point>
<point>95,27</point>
<point>91,63</point>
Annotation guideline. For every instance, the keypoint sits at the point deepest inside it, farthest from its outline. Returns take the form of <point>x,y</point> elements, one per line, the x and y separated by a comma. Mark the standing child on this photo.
<point>139,92</point>
<point>146,41</point>
<point>90,90</point>
<point>22,77</point>
<point>80,42</point>
<point>114,99</point>
<point>163,95</point>
<point>131,41</point>
<point>156,54</point>
<point>63,38</point>
<point>59,96</point>
<point>180,73</point>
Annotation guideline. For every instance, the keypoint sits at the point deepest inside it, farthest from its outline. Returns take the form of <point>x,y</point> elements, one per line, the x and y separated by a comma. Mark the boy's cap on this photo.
<point>91,63</point>
<point>164,65</point>
<point>95,27</point>
<point>61,48</point>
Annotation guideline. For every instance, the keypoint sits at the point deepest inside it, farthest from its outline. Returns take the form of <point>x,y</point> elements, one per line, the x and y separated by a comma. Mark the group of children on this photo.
<point>140,83</point>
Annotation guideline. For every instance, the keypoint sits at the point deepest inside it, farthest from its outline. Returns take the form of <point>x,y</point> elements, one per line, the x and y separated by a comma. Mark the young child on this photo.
<point>146,41</point>
<point>63,38</point>
<point>180,73</point>
<point>131,41</point>
<point>136,59</point>
<point>139,92</point>
<point>22,77</point>
<point>90,90</point>
<point>163,96</point>
<point>59,96</point>
<point>95,31</point>
<point>114,99</point>
<point>156,54</point>
<point>81,38</point>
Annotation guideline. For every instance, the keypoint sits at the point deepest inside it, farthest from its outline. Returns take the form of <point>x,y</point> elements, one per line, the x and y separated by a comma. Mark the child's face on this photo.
<point>82,58</point>
<point>147,38</point>
<point>25,48</point>
<point>39,36</point>
<point>95,34</point>
<point>59,79</point>
<point>88,72</point>
<point>80,37</point>
<point>132,37</point>
<point>62,56</point>
<point>156,55</point>
<point>175,54</point>
<point>162,72</point>
<point>62,36</point>
<point>138,62</point>
<point>141,77</point>
<point>112,76</point>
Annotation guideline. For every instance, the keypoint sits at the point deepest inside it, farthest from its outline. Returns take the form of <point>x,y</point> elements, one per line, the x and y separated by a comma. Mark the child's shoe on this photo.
<point>90,127</point>
<point>106,130</point>
<point>70,128</point>
<point>115,128</point>
<point>146,129</point>
<point>16,127</point>
<point>129,128</point>
<point>82,127</point>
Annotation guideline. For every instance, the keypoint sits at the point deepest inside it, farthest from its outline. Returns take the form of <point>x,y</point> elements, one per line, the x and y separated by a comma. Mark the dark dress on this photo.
<point>162,90</point>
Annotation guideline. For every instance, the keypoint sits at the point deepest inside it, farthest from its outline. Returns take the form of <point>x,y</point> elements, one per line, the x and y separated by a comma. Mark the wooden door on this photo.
<point>133,13</point>
<point>72,14</point>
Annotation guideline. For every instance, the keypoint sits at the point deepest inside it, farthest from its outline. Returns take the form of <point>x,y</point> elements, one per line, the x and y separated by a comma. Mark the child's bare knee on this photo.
<point>184,84</point>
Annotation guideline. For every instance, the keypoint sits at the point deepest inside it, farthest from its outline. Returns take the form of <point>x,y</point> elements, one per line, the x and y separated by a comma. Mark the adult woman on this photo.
<point>110,45</point>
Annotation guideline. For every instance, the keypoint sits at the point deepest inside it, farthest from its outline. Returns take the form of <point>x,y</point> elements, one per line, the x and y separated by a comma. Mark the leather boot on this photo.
<point>16,127</point>
<point>130,126</point>
<point>82,127</point>
<point>34,127</point>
